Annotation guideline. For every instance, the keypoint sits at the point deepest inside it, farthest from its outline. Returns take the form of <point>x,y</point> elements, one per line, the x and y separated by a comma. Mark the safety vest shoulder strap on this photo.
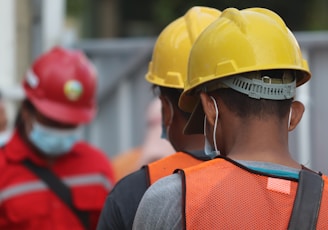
<point>307,201</point>
<point>169,164</point>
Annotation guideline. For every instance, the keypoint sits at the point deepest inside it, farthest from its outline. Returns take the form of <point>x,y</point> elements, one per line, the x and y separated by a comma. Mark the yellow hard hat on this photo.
<point>168,66</point>
<point>241,41</point>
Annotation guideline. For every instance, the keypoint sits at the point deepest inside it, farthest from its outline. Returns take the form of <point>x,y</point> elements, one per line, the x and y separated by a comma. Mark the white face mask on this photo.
<point>52,141</point>
<point>4,137</point>
<point>290,116</point>
<point>208,149</point>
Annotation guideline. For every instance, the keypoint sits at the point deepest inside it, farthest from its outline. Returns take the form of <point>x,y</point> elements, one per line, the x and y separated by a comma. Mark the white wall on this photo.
<point>53,19</point>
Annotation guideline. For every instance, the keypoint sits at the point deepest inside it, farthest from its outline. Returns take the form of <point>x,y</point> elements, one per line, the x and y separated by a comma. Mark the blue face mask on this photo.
<point>164,132</point>
<point>51,141</point>
<point>4,137</point>
<point>164,129</point>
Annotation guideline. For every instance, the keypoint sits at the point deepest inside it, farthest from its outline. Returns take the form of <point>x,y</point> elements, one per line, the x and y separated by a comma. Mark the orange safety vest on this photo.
<point>220,194</point>
<point>166,166</point>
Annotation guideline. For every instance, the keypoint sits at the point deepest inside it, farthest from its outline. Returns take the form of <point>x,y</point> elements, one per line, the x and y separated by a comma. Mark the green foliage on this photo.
<point>149,17</point>
<point>76,8</point>
<point>298,15</point>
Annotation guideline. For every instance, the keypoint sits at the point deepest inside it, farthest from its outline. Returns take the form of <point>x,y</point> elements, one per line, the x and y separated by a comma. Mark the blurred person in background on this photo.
<point>153,147</point>
<point>51,178</point>
<point>5,131</point>
<point>167,72</point>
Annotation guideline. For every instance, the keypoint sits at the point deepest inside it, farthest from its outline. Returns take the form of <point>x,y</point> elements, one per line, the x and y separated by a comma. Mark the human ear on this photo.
<point>166,111</point>
<point>209,108</point>
<point>296,115</point>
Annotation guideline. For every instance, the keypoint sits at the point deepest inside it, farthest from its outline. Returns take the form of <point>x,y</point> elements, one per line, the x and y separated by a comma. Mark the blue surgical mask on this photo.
<point>164,133</point>
<point>4,137</point>
<point>51,141</point>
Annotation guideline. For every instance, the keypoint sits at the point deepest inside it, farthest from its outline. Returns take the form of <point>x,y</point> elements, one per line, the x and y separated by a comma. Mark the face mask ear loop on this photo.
<point>171,118</point>
<point>215,125</point>
<point>290,116</point>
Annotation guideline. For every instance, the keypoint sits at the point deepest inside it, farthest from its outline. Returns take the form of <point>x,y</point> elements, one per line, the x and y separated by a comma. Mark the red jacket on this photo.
<point>27,203</point>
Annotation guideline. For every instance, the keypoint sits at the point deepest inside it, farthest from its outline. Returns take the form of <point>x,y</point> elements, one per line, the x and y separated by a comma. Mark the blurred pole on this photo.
<point>108,18</point>
<point>101,19</point>
<point>124,112</point>
<point>36,28</point>
<point>7,42</point>
<point>304,135</point>
<point>8,49</point>
<point>53,19</point>
<point>23,38</point>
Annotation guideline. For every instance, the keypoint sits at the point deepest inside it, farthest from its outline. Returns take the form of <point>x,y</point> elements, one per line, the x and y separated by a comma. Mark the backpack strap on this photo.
<point>307,201</point>
<point>59,188</point>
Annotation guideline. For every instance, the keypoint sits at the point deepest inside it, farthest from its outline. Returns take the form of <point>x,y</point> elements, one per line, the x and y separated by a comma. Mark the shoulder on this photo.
<point>90,154</point>
<point>83,147</point>
<point>165,194</point>
<point>137,178</point>
<point>131,187</point>
<point>121,204</point>
<point>166,186</point>
<point>90,159</point>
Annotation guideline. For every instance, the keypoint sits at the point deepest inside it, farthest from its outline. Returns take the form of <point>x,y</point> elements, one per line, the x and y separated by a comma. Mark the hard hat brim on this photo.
<point>64,114</point>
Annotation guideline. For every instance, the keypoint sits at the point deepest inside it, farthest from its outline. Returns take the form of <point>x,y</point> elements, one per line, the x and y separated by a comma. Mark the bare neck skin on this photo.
<point>260,140</point>
<point>253,139</point>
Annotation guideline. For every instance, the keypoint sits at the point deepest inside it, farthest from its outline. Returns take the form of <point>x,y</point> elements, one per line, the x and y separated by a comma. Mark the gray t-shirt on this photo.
<point>161,205</point>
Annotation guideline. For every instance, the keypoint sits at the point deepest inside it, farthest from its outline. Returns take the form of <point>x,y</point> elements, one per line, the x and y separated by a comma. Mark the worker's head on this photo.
<point>154,147</point>
<point>60,90</point>
<point>168,70</point>
<point>248,63</point>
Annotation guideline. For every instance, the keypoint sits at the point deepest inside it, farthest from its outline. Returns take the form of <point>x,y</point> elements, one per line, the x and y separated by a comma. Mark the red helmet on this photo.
<point>61,84</point>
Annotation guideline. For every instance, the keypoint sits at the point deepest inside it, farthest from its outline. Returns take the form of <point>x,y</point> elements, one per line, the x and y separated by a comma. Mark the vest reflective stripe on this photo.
<point>167,165</point>
<point>37,186</point>
<point>221,195</point>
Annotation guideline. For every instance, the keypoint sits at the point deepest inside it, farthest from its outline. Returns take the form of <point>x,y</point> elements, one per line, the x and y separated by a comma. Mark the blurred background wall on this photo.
<point>118,36</point>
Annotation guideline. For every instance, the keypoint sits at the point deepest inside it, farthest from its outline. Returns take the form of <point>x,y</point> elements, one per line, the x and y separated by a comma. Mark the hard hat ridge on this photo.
<point>168,67</point>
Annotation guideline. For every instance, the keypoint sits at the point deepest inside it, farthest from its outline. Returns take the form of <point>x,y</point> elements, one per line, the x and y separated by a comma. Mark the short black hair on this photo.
<point>19,121</point>
<point>246,107</point>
